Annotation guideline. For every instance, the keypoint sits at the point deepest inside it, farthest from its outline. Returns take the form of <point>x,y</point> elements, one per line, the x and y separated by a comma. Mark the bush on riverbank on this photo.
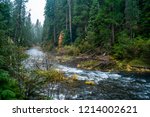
<point>50,75</point>
<point>132,52</point>
<point>70,50</point>
<point>8,86</point>
<point>130,49</point>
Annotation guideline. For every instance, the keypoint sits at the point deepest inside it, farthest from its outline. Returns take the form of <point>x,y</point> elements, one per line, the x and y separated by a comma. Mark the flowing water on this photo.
<point>107,85</point>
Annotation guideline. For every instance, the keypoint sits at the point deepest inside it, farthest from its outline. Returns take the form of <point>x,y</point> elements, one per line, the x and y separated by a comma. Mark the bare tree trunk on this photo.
<point>112,34</point>
<point>66,19</point>
<point>54,34</point>
<point>70,19</point>
<point>18,21</point>
<point>112,28</point>
<point>54,27</point>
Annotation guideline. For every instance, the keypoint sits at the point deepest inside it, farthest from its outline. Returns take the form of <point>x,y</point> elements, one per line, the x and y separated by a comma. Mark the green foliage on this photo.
<point>32,86</point>
<point>8,86</point>
<point>8,94</point>
<point>70,50</point>
<point>47,46</point>
<point>51,75</point>
<point>55,10</point>
<point>11,56</point>
<point>132,49</point>
<point>119,51</point>
<point>85,47</point>
<point>1,60</point>
<point>116,26</point>
<point>66,40</point>
<point>138,62</point>
<point>144,5</point>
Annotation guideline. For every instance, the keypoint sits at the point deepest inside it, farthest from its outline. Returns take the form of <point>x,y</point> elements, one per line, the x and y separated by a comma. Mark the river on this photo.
<point>107,85</point>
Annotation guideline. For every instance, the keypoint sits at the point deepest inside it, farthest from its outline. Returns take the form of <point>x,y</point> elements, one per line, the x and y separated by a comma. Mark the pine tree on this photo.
<point>131,16</point>
<point>37,32</point>
<point>8,85</point>
<point>144,23</point>
<point>80,17</point>
<point>19,20</point>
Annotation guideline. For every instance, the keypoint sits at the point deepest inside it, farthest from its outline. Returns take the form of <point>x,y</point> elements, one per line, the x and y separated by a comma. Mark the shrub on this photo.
<point>119,51</point>
<point>70,50</point>
<point>47,46</point>
<point>138,62</point>
<point>8,86</point>
<point>146,49</point>
<point>133,48</point>
<point>85,46</point>
<point>51,75</point>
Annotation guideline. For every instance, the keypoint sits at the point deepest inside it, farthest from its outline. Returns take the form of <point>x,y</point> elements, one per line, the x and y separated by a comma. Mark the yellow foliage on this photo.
<point>129,68</point>
<point>90,83</point>
<point>78,65</point>
<point>51,75</point>
<point>64,78</point>
<point>74,77</point>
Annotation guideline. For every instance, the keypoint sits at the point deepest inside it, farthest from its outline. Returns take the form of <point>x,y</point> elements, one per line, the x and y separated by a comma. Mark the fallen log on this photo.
<point>142,67</point>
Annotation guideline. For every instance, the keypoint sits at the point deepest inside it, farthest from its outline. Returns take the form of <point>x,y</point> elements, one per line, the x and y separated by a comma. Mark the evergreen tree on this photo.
<point>8,85</point>
<point>131,16</point>
<point>144,7</point>
<point>49,24</point>
<point>37,28</point>
<point>80,17</point>
<point>19,15</point>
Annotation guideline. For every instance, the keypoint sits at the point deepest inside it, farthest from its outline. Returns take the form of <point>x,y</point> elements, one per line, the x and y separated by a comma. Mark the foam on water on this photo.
<point>85,74</point>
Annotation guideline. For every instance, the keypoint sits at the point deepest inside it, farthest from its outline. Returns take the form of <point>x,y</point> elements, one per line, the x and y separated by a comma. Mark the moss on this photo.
<point>138,62</point>
<point>135,65</point>
<point>51,75</point>
<point>74,77</point>
<point>88,64</point>
<point>120,65</point>
<point>89,82</point>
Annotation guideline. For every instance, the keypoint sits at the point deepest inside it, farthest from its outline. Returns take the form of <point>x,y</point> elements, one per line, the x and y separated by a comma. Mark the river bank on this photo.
<point>105,63</point>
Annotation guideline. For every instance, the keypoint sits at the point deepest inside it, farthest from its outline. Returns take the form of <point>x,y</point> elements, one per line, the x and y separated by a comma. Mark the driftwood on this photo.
<point>94,54</point>
<point>143,67</point>
<point>88,51</point>
<point>103,64</point>
<point>96,65</point>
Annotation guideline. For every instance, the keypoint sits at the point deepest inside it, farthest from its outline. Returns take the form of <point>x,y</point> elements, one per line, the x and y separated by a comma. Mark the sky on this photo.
<point>37,10</point>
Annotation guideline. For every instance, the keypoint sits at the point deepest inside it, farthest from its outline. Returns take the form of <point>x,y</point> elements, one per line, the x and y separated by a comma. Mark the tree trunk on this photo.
<point>54,35</point>
<point>66,19</point>
<point>70,19</point>
<point>54,27</point>
<point>112,34</point>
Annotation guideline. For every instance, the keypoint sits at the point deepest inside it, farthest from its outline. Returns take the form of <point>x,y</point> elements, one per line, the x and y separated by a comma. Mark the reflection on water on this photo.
<point>107,85</point>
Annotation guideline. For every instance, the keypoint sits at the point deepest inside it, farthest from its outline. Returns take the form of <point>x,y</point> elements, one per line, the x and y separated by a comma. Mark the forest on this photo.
<point>101,35</point>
